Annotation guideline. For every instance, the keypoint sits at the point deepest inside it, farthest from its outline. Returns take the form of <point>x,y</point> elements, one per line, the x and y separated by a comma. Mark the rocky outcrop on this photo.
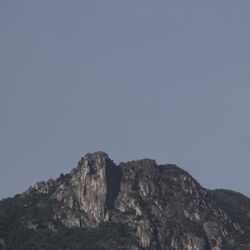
<point>162,206</point>
<point>89,192</point>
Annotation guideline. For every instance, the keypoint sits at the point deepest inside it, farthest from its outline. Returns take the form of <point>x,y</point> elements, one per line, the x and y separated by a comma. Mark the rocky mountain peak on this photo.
<point>92,162</point>
<point>158,206</point>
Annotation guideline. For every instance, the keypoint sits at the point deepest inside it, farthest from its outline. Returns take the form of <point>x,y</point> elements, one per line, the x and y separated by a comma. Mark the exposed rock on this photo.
<point>196,243</point>
<point>43,187</point>
<point>162,206</point>
<point>90,190</point>
<point>213,234</point>
<point>32,226</point>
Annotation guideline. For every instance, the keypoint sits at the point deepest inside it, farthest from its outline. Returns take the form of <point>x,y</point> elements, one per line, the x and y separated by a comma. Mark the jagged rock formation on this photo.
<point>148,206</point>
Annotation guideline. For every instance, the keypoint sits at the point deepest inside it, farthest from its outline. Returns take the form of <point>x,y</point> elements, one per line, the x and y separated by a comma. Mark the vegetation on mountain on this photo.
<point>136,205</point>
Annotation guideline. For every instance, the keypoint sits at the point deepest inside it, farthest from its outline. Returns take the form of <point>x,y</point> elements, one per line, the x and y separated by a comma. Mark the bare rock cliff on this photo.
<point>162,206</point>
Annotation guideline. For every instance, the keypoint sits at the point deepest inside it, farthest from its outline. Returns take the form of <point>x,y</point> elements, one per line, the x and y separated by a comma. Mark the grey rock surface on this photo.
<point>162,205</point>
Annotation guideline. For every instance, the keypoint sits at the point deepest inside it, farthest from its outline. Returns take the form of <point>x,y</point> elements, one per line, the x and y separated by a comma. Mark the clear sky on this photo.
<point>168,80</point>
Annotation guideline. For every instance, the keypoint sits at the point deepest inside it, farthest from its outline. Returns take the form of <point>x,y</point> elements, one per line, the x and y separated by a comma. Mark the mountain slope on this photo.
<point>134,205</point>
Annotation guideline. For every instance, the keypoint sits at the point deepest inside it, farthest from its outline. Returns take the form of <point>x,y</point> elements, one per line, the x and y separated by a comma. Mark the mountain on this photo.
<point>134,205</point>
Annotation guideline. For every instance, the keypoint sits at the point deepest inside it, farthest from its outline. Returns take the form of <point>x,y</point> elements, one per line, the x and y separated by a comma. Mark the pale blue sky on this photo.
<point>168,80</point>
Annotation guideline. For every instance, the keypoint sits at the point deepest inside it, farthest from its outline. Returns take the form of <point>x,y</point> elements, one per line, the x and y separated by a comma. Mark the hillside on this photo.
<point>134,205</point>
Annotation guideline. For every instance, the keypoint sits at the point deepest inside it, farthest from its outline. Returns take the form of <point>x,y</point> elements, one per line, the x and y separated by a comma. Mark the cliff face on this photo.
<point>155,206</point>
